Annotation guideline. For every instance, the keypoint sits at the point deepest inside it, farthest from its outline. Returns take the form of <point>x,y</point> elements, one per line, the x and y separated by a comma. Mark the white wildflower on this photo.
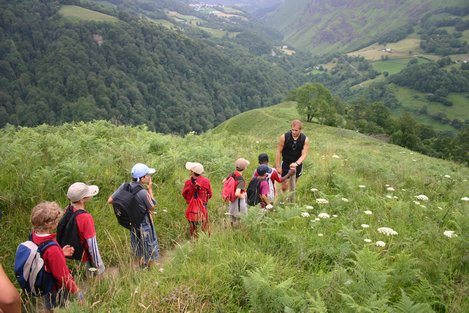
<point>465,198</point>
<point>309,207</point>
<point>92,269</point>
<point>367,240</point>
<point>440,208</point>
<point>269,206</point>
<point>317,219</point>
<point>161,270</point>
<point>314,189</point>
<point>387,231</point>
<point>368,212</point>
<point>380,243</point>
<point>164,210</point>
<point>348,282</point>
<point>345,199</point>
<point>449,233</point>
<point>321,201</point>
<point>387,185</point>
<point>361,186</point>
<point>323,215</point>
<point>365,226</point>
<point>422,197</point>
<point>389,196</point>
<point>414,160</point>
<point>404,189</point>
<point>447,176</point>
<point>417,202</point>
<point>395,197</point>
<point>423,206</point>
<point>305,214</point>
<point>334,215</point>
<point>257,141</point>
<point>390,189</point>
<point>335,156</point>
<point>320,235</point>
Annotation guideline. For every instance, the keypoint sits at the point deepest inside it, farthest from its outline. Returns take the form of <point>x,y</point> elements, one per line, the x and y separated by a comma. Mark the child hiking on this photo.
<point>143,238</point>
<point>44,219</point>
<point>77,227</point>
<point>197,191</point>
<point>237,206</point>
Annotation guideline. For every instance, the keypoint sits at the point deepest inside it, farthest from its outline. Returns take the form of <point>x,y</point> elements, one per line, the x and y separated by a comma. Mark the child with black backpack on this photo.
<point>57,281</point>
<point>76,228</point>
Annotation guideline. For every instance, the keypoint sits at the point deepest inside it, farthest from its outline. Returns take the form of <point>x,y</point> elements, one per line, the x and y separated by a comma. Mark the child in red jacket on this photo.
<point>44,218</point>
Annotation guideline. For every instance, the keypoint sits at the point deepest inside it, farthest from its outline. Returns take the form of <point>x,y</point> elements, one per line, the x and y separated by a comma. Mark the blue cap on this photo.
<point>140,170</point>
<point>263,169</point>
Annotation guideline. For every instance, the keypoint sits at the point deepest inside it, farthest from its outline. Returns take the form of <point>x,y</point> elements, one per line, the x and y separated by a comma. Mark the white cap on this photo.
<point>195,167</point>
<point>78,191</point>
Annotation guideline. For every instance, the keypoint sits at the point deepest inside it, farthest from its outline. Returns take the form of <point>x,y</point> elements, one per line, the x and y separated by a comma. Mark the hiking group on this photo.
<point>40,263</point>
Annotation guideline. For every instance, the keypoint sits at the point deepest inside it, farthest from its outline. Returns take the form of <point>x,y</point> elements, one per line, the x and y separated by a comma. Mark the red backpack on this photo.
<point>229,189</point>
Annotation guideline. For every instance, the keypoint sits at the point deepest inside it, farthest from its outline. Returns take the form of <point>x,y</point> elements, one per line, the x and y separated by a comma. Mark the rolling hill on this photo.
<point>374,227</point>
<point>329,26</point>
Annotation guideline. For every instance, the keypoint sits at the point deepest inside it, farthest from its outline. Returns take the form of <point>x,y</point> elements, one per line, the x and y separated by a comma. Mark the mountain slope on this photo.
<point>326,26</point>
<point>293,258</point>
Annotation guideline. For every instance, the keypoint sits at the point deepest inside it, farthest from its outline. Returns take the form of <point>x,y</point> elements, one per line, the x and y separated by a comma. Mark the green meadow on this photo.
<point>374,228</point>
<point>82,14</point>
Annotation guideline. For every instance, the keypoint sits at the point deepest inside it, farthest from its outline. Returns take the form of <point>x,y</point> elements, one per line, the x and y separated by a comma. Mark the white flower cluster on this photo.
<point>422,197</point>
<point>465,198</point>
<point>365,226</point>
<point>314,189</point>
<point>335,156</point>
<point>345,199</point>
<point>380,243</point>
<point>367,240</point>
<point>387,231</point>
<point>323,215</point>
<point>305,214</point>
<point>368,212</point>
<point>447,176</point>
<point>321,201</point>
<point>390,189</point>
<point>361,186</point>
<point>449,233</point>
<point>309,207</point>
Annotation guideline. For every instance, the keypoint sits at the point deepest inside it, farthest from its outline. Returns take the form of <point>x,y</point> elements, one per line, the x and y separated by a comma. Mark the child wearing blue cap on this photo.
<point>143,238</point>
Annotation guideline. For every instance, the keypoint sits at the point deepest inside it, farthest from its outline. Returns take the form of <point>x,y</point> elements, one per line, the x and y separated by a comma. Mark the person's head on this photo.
<point>296,127</point>
<point>263,170</point>
<point>241,164</point>
<point>140,172</point>
<point>196,168</point>
<point>263,158</point>
<point>45,216</point>
<point>81,192</point>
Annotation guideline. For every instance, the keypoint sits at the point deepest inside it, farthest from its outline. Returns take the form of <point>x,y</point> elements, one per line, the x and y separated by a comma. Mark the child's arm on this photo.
<point>10,300</point>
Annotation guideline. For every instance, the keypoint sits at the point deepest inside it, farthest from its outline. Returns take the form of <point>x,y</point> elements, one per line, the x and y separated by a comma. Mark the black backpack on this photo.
<point>253,191</point>
<point>128,212</point>
<point>67,232</point>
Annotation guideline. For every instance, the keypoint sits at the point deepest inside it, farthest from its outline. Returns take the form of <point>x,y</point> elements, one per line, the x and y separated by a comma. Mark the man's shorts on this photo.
<point>144,242</point>
<point>286,168</point>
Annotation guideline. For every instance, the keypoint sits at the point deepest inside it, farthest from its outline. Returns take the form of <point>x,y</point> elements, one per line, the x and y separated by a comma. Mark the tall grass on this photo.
<point>283,261</point>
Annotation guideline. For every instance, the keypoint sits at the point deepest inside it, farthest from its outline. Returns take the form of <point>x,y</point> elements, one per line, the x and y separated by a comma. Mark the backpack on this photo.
<point>128,212</point>
<point>67,232</point>
<point>253,192</point>
<point>29,268</point>
<point>229,189</point>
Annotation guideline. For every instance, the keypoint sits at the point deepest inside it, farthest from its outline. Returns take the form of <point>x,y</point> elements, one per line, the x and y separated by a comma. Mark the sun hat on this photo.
<point>241,164</point>
<point>140,170</point>
<point>263,169</point>
<point>78,191</point>
<point>195,167</point>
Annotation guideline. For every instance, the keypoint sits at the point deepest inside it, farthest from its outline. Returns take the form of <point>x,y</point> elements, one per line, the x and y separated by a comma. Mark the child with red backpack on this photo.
<point>236,195</point>
<point>197,191</point>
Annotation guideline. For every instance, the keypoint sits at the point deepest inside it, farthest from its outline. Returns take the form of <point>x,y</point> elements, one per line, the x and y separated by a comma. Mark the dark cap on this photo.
<point>263,158</point>
<point>263,169</point>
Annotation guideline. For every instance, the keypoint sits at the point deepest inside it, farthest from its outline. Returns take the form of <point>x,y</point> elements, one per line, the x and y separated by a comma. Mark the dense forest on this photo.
<point>53,70</point>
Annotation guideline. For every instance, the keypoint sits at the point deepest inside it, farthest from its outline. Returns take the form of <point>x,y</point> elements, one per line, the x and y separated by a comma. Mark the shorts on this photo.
<point>144,242</point>
<point>286,168</point>
<point>55,299</point>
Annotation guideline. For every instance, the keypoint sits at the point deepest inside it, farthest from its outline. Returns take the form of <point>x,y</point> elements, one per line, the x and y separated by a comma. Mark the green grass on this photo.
<point>393,66</point>
<point>81,14</point>
<point>271,262</point>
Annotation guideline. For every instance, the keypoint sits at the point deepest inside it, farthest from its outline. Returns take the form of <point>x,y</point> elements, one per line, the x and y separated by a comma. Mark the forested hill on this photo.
<point>325,26</point>
<point>125,69</point>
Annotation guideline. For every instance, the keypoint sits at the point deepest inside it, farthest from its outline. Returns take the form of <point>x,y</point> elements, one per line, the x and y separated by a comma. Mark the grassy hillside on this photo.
<point>82,14</point>
<point>329,26</point>
<point>289,260</point>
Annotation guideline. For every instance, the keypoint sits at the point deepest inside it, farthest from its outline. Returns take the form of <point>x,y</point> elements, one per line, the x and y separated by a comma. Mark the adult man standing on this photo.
<point>292,149</point>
